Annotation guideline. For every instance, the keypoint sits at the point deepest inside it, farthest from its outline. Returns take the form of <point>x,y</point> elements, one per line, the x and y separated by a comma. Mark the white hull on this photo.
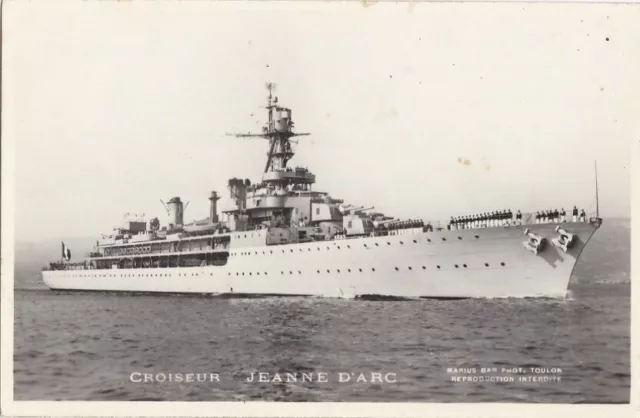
<point>497,265</point>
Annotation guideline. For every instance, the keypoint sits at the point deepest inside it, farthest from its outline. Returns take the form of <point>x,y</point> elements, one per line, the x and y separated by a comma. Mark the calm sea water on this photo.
<point>86,346</point>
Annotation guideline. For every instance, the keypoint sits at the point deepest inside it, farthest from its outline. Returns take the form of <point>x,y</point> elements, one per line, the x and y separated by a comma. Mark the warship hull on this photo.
<point>469,263</point>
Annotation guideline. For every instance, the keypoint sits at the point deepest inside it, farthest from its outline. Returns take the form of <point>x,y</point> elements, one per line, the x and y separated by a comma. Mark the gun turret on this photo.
<point>381,222</point>
<point>344,208</point>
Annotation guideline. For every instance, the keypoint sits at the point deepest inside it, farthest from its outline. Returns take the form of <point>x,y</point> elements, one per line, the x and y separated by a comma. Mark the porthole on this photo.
<point>377,244</point>
<point>309,248</point>
<point>250,274</point>
<point>396,268</point>
<point>237,274</point>
<point>290,272</point>
<point>291,250</point>
<point>282,272</point>
<point>256,253</point>
<point>456,266</point>
<point>428,239</point>
<point>444,239</point>
<point>243,273</point>
<point>464,265</point>
<point>265,273</point>
<point>388,243</point>
<point>348,246</point>
<point>338,247</point>
<point>373,269</point>
<point>270,251</point>
<point>328,271</point>
<point>486,264</point>
<point>360,270</point>
<point>338,270</point>
<point>477,236</point>
<point>410,268</point>
<point>327,248</point>
<point>349,270</point>
<point>299,272</point>
<point>365,245</point>
<point>424,268</point>
<point>257,273</point>
<point>438,267</point>
<point>282,251</point>
<point>318,248</point>
<point>415,242</point>
<point>300,249</point>
<point>401,243</point>
<point>318,271</point>
<point>502,264</point>
<point>459,237</point>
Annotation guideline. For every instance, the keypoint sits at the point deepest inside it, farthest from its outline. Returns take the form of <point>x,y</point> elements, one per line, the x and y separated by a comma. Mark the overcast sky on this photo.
<point>423,110</point>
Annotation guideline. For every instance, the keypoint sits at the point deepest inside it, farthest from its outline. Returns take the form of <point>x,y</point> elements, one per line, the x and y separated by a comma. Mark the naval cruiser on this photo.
<point>282,237</point>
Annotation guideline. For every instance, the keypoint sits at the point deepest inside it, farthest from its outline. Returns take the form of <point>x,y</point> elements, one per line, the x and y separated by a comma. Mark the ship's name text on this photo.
<point>322,377</point>
<point>265,377</point>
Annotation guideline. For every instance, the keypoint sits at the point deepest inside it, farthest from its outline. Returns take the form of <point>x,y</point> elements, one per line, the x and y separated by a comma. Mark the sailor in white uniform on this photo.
<point>583,216</point>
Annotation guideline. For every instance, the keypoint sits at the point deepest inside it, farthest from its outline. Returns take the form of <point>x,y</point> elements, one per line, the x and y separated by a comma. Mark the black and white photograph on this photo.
<point>317,204</point>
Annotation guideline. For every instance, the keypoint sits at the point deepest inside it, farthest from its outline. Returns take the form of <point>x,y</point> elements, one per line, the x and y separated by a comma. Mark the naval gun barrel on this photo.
<point>382,222</point>
<point>362,209</point>
<point>353,209</point>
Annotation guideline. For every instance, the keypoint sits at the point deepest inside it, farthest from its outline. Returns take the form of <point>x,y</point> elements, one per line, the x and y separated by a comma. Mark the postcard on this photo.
<point>318,208</point>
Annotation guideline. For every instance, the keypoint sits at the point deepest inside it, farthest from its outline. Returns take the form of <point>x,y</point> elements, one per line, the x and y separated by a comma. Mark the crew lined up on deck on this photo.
<point>556,216</point>
<point>506,218</point>
<point>484,220</point>
<point>406,224</point>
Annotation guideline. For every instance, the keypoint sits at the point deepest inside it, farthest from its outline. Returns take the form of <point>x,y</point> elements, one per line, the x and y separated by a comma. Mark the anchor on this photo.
<point>564,240</point>
<point>535,243</point>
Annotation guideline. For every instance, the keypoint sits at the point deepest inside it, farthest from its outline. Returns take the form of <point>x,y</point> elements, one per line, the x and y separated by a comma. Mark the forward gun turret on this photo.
<point>379,223</point>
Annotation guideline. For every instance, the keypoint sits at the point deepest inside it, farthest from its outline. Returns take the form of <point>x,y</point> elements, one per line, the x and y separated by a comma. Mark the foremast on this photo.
<point>283,197</point>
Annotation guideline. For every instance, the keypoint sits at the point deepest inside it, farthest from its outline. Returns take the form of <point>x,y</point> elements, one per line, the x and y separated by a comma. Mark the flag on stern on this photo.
<point>66,252</point>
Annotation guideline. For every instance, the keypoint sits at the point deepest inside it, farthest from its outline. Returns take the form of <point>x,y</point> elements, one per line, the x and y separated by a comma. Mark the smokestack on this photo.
<point>213,209</point>
<point>175,210</point>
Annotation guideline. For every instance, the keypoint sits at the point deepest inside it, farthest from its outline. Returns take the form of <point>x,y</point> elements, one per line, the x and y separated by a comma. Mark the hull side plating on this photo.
<point>489,262</point>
